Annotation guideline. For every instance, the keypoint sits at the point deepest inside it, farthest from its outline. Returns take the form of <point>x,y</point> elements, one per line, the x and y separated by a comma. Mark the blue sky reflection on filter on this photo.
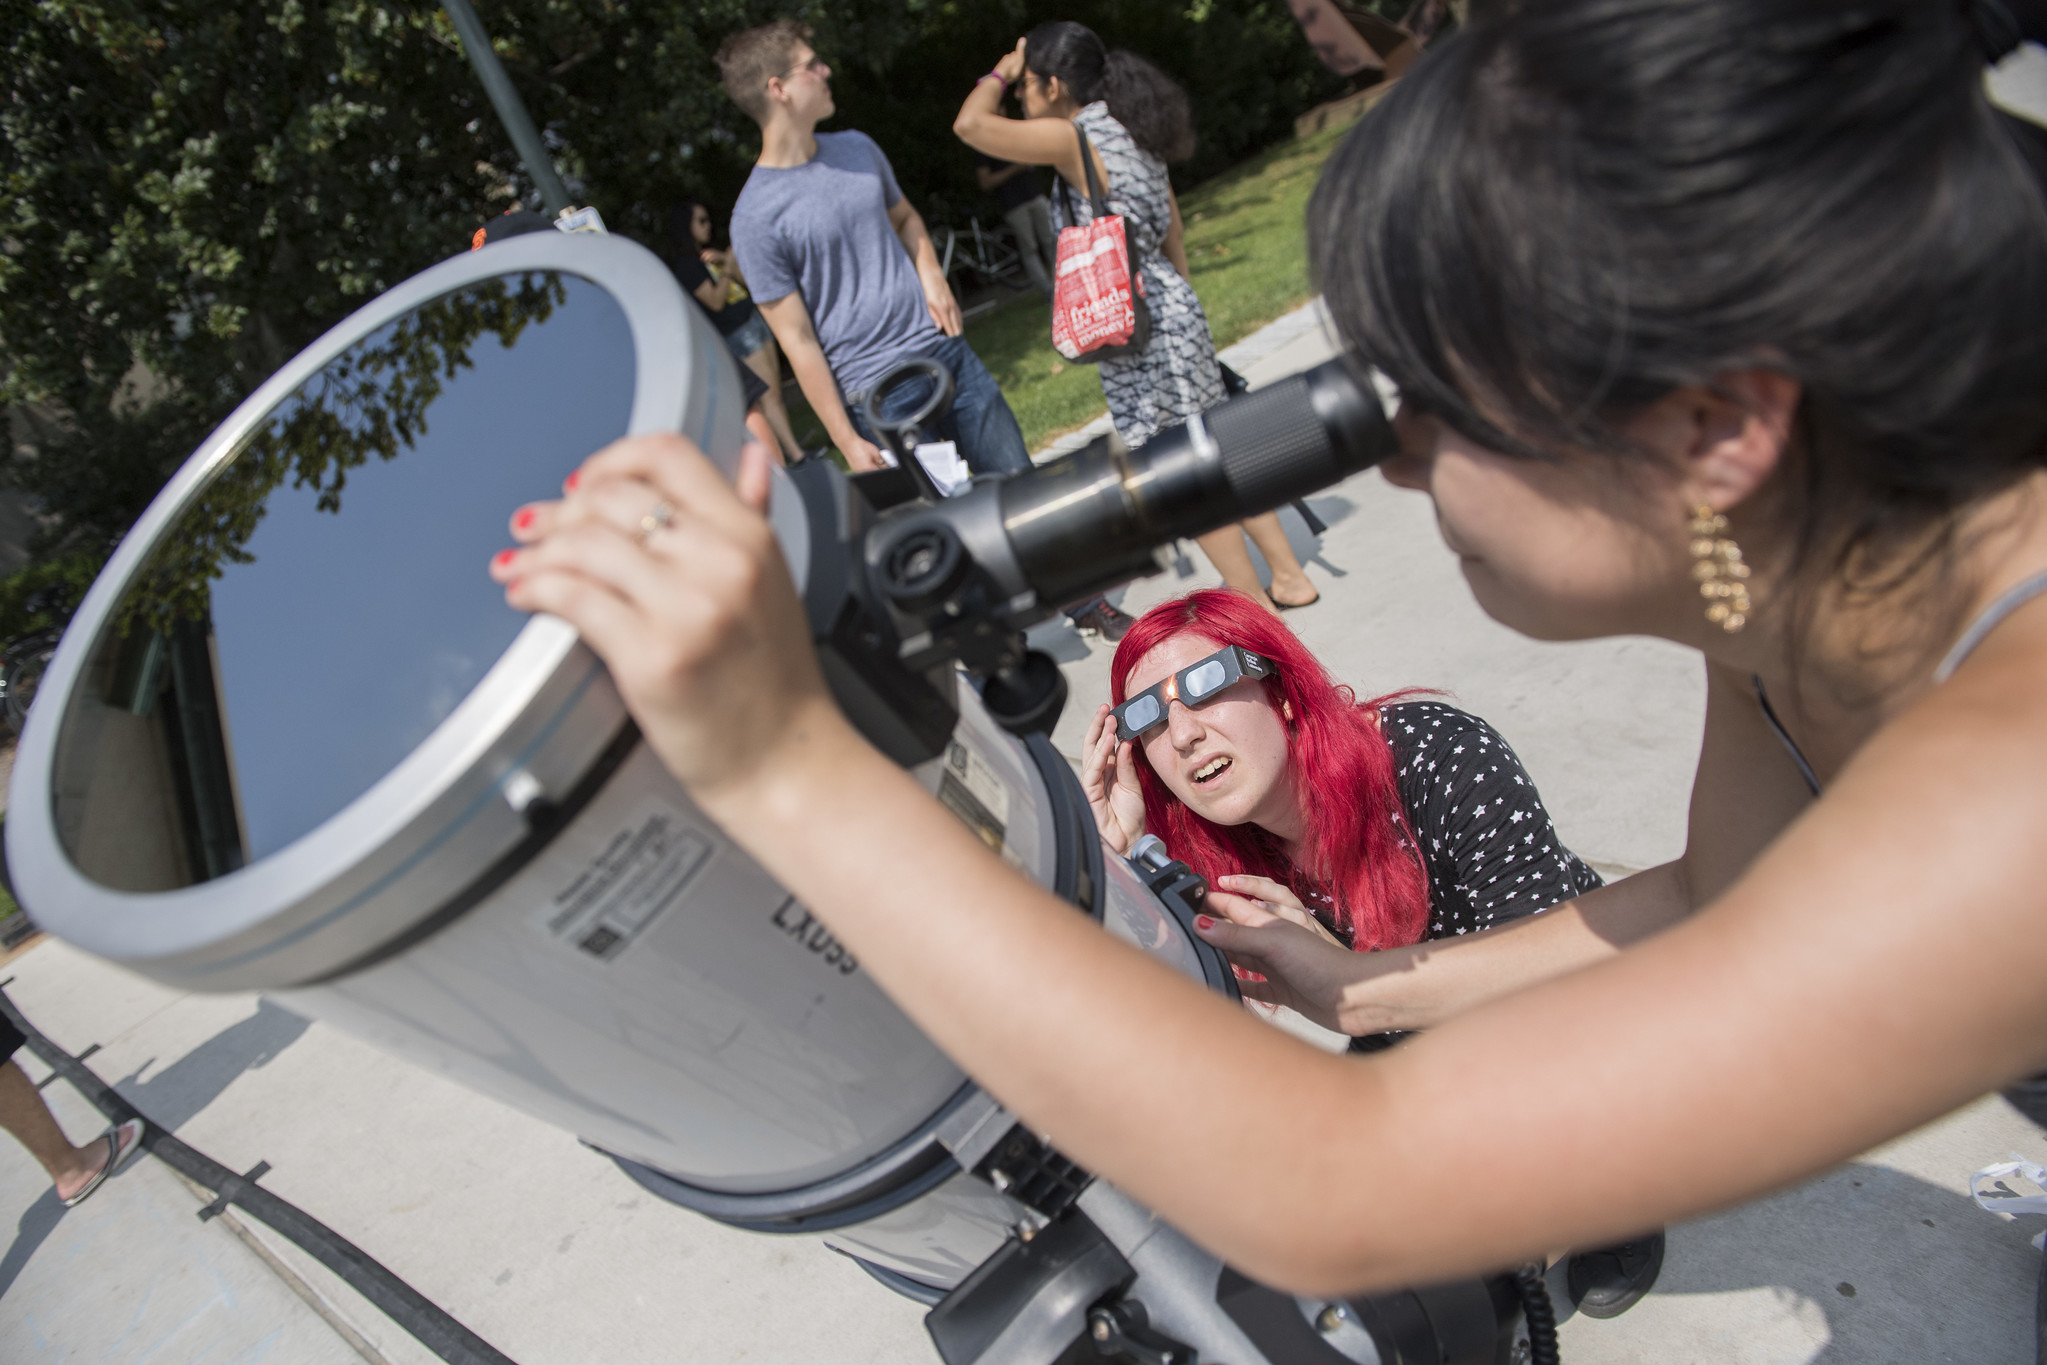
<point>353,634</point>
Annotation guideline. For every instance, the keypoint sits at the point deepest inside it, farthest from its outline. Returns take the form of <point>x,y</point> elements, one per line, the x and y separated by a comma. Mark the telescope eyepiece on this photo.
<point>923,565</point>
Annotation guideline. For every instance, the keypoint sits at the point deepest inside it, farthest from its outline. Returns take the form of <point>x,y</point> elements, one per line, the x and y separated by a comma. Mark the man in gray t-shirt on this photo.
<point>823,230</point>
<point>840,264</point>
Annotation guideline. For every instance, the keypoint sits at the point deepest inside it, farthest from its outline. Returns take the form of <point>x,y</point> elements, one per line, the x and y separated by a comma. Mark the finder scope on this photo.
<point>1095,518</point>
<point>938,581</point>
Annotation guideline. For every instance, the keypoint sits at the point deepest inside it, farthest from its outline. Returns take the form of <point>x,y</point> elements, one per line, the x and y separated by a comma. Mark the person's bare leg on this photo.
<point>757,426</point>
<point>1232,559</point>
<point>23,1113</point>
<point>1290,586</point>
<point>767,363</point>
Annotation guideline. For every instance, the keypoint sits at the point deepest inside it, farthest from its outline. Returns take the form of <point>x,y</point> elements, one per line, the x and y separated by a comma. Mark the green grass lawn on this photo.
<point>1247,249</point>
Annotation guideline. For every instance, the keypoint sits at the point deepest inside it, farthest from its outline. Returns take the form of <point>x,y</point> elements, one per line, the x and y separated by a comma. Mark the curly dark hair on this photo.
<point>1145,100</point>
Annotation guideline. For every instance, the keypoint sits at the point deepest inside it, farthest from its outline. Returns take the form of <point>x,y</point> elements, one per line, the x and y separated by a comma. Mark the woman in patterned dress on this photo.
<point>1137,120</point>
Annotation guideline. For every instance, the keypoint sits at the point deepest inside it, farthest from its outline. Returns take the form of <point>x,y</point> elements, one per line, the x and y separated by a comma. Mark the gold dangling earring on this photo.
<point>1718,567</point>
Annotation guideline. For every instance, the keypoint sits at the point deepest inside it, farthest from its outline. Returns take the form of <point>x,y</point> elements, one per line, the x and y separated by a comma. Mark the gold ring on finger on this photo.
<point>663,513</point>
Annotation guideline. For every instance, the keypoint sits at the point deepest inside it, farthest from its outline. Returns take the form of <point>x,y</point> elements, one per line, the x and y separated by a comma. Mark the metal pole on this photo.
<point>511,113</point>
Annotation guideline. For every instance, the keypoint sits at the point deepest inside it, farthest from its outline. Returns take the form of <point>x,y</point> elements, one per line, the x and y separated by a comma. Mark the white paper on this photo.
<point>942,461</point>
<point>1995,1202</point>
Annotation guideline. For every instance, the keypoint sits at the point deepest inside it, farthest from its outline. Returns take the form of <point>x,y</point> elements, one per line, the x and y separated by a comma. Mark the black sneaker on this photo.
<point>1099,618</point>
<point>1609,1281</point>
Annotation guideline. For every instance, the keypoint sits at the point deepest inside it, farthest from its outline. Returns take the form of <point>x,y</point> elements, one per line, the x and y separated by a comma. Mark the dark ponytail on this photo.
<point>1145,100</point>
<point>1559,216</point>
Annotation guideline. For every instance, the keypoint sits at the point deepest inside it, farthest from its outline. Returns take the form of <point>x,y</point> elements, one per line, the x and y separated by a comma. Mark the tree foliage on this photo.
<point>194,190</point>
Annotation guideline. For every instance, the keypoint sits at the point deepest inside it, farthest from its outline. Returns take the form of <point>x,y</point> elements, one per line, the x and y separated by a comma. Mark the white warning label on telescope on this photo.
<point>626,887</point>
<point>971,790</point>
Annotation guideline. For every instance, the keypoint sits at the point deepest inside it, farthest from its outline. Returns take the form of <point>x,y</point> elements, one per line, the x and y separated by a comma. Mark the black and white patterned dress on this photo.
<point>1176,376</point>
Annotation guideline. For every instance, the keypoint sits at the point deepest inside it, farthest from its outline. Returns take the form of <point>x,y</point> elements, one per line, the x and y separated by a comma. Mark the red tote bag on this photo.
<point>1098,308</point>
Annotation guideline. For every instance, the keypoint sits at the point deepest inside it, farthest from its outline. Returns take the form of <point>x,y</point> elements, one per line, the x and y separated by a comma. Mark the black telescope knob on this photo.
<point>1027,697</point>
<point>923,565</point>
<point>903,433</point>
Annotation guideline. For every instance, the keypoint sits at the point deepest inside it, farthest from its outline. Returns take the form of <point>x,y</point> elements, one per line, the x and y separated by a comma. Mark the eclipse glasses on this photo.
<point>1197,684</point>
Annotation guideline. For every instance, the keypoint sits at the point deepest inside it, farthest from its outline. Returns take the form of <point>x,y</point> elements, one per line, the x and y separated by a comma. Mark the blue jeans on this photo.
<point>980,421</point>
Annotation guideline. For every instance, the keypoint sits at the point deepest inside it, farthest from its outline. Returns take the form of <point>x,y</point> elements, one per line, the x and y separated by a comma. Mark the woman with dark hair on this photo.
<point>1136,120</point>
<point>1714,320</point>
<point>710,275</point>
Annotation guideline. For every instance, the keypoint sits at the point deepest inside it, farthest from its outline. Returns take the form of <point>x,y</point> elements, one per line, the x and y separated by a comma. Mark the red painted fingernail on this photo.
<point>569,484</point>
<point>502,558</point>
<point>1204,922</point>
<point>524,519</point>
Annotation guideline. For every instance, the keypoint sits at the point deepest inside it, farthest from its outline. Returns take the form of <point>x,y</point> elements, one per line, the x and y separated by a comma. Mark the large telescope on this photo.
<point>294,741</point>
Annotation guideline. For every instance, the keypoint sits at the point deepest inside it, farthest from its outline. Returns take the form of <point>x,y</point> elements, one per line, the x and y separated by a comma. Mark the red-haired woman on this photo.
<point>1378,824</point>
<point>1387,821</point>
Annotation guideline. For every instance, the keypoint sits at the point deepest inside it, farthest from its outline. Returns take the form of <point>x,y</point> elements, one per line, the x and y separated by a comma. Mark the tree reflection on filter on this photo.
<point>322,605</point>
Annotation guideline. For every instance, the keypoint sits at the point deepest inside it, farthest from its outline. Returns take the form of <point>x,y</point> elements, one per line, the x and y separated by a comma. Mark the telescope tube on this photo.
<point>1094,519</point>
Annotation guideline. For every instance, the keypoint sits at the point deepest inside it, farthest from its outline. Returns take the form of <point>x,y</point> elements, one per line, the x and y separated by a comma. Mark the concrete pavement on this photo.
<point>544,1249</point>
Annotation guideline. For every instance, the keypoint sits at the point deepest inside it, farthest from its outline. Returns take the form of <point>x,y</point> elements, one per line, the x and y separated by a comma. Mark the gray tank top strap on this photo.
<point>1812,781</point>
<point>1988,620</point>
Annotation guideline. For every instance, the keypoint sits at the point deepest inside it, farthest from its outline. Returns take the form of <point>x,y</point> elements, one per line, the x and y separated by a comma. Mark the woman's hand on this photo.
<point>1274,898</point>
<point>1108,774</point>
<point>1304,967</point>
<point>691,606</point>
<point>1011,67</point>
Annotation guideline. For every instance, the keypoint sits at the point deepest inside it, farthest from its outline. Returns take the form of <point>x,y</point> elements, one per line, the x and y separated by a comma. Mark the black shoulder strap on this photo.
<point>1095,196</point>
<point>1097,199</point>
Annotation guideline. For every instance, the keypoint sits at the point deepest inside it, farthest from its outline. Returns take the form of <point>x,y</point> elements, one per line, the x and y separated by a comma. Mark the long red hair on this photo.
<point>1340,764</point>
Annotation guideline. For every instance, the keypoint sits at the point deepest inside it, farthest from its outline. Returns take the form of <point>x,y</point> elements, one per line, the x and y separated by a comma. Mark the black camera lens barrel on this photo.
<point>1096,518</point>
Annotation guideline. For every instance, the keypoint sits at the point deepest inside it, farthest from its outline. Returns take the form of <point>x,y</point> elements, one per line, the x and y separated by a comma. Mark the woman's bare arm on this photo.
<point>712,295</point>
<point>1421,986</point>
<point>1028,141</point>
<point>1746,792</point>
<point>1838,993</point>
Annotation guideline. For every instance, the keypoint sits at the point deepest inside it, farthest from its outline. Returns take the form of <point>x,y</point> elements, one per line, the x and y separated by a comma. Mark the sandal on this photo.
<point>118,1151</point>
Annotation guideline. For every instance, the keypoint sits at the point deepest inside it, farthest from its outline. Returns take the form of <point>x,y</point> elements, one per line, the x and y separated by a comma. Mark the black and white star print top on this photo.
<point>1491,851</point>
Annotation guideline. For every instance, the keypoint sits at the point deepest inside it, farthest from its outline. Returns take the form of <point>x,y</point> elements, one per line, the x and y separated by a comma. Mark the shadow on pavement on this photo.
<point>174,1094</point>
<point>1307,548</point>
<point>37,1222</point>
<point>1333,508</point>
<point>1901,1270</point>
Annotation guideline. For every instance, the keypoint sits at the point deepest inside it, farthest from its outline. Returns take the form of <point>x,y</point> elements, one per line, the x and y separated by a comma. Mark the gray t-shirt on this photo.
<point>821,230</point>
